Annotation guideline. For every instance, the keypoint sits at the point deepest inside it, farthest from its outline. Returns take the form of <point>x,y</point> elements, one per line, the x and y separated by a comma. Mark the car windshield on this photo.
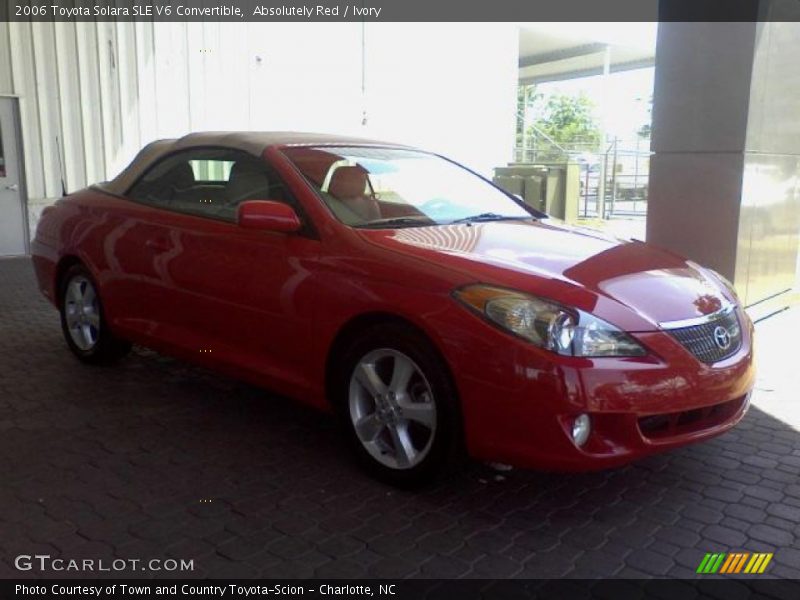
<point>387,188</point>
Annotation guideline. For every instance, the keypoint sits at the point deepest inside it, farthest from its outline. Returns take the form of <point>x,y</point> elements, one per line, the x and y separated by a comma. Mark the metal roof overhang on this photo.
<point>551,53</point>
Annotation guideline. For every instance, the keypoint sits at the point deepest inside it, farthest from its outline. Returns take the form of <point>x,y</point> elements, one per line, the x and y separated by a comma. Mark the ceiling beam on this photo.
<point>576,74</point>
<point>562,54</point>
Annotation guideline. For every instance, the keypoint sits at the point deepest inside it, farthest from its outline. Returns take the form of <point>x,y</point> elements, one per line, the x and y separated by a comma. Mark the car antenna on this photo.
<point>61,167</point>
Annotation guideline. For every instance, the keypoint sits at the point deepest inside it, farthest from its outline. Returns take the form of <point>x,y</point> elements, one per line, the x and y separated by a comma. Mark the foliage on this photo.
<point>568,120</point>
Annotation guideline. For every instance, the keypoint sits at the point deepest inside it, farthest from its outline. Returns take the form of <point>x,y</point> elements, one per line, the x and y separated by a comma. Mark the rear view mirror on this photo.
<point>268,215</point>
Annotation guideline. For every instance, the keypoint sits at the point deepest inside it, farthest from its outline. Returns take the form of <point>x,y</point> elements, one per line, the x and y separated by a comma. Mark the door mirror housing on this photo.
<point>268,215</point>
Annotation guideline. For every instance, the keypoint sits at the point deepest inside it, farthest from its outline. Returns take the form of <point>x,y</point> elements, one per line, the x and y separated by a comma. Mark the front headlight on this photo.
<point>567,331</point>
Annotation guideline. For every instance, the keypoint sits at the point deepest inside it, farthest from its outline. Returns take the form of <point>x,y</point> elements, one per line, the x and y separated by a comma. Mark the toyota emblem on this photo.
<point>722,338</point>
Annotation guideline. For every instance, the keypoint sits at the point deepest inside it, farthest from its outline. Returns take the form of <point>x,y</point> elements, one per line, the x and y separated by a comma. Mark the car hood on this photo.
<point>629,283</point>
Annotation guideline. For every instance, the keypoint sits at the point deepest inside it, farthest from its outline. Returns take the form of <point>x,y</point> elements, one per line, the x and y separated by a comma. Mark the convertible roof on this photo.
<point>253,142</point>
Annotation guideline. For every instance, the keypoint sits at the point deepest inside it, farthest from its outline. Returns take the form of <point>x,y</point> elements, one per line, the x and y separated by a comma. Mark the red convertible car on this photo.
<point>428,308</point>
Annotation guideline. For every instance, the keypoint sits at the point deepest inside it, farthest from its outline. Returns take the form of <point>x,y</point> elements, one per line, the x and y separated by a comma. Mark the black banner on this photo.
<point>433,589</point>
<point>400,11</point>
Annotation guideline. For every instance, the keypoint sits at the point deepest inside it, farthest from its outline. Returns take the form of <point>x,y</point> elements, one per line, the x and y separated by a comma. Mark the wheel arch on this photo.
<point>350,330</point>
<point>64,264</point>
<point>456,451</point>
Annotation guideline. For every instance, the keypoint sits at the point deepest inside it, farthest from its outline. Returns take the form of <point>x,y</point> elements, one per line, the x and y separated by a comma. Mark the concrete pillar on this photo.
<point>725,177</point>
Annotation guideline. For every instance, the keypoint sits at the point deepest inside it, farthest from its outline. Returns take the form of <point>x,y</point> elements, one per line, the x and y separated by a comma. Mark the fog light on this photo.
<point>581,429</point>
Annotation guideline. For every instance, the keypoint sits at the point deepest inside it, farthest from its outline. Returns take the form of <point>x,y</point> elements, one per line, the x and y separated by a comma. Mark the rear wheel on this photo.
<point>398,405</point>
<point>82,319</point>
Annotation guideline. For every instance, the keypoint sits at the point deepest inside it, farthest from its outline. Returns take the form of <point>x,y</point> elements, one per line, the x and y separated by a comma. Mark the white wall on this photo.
<point>106,89</point>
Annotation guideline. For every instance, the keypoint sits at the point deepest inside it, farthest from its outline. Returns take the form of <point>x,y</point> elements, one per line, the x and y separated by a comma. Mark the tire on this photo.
<point>393,383</point>
<point>83,321</point>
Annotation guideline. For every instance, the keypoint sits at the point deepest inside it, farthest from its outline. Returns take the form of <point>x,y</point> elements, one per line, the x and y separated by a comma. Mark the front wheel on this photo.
<point>83,321</point>
<point>399,406</point>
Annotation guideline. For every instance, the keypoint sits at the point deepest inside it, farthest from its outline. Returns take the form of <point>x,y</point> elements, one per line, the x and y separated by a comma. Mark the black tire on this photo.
<point>106,348</point>
<point>445,449</point>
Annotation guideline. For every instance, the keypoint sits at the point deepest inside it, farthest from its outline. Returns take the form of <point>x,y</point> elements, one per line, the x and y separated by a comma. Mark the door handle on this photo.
<point>13,187</point>
<point>157,245</point>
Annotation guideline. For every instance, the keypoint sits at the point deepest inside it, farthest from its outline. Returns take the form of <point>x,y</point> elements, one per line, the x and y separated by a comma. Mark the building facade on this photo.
<point>90,95</point>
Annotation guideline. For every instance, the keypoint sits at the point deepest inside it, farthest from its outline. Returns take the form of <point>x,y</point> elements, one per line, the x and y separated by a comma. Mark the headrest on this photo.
<point>312,162</point>
<point>348,182</point>
<point>247,181</point>
<point>180,176</point>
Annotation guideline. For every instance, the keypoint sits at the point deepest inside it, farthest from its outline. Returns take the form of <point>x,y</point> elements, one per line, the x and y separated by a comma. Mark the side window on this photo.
<point>211,170</point>
<point>208,183</point>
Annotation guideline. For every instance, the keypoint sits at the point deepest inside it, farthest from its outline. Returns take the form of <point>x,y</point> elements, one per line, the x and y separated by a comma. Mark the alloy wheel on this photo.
<point>82,312</point>
<point>392,408</point>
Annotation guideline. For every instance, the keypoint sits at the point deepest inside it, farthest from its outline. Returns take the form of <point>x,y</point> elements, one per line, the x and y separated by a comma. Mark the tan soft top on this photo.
<point>253,142</point>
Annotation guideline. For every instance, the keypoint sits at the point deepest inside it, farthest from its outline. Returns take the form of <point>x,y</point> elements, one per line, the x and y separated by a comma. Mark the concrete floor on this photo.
<point>153,458</point>
<point>621,227</point>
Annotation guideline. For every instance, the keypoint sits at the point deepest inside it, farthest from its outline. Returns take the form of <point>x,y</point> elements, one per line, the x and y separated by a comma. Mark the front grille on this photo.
<point>706,341</point>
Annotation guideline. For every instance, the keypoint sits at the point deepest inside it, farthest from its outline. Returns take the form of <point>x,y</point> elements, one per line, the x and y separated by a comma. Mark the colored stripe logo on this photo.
<point>734,562</point>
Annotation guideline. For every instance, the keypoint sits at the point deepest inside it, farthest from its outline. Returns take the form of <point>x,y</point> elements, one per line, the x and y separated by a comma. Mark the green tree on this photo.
<point>569,121</point>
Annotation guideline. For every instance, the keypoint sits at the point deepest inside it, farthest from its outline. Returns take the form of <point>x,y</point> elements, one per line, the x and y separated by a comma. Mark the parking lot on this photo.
<point>154,458</point>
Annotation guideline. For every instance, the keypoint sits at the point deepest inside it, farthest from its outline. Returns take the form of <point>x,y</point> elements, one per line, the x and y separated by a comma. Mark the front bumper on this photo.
<point>519,402</point>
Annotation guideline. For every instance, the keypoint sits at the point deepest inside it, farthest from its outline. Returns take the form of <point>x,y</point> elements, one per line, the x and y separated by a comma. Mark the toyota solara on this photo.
<point>437,315</point>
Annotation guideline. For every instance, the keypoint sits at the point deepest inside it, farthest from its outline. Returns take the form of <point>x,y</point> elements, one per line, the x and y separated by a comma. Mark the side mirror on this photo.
<point>267,215</point>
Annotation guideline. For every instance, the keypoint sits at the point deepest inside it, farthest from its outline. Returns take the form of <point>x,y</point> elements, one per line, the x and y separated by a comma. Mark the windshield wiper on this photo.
<point>418,221</point>
<point>489,216</point>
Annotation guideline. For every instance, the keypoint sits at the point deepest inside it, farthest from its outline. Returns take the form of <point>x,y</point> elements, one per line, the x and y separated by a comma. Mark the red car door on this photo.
<point>232,297</point>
